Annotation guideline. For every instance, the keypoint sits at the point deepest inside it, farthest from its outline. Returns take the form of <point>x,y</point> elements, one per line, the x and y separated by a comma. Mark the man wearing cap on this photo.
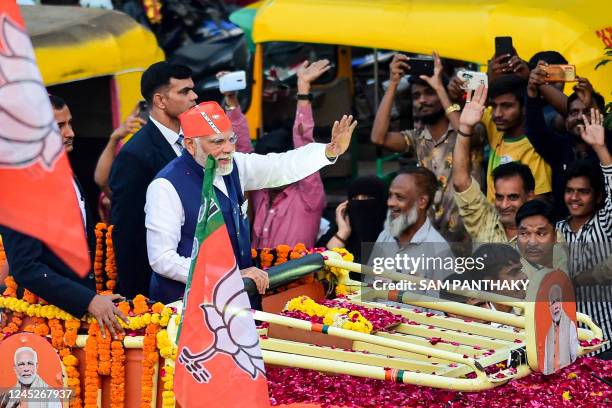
<point>173,198</point>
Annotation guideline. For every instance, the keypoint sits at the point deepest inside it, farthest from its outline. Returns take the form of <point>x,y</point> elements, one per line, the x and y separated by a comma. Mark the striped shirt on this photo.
<point>590,246</point>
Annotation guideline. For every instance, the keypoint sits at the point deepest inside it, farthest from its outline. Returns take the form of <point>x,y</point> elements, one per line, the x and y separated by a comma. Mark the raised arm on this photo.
<point>540,135</point>
<point>593,133</point>
<point>471,115</point>
<point>436,83</point>
<point>303,125</point>
<point>103,168</point>
<point>274,170</point>
<point>236,117</point>
<point>380,129</point>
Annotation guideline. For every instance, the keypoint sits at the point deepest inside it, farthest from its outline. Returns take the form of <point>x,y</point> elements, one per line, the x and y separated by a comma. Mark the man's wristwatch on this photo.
<point>452,108</point>
<point>304,97</point>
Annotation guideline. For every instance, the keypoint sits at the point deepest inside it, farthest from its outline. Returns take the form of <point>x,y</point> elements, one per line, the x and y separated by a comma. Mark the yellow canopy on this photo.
<point>461,30</point>
<point>74,43</point>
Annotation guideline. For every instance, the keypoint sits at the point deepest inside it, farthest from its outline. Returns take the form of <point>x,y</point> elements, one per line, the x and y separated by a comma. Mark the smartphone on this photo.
<point>473,79</point>
<point>560,73</point>
<point>143,110</point>
<point>234,81</point>
<point>421,66</point>
<point>503,45</point>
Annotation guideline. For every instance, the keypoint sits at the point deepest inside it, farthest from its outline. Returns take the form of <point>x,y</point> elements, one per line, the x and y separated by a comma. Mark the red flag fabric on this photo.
<point>38,196</point>
<point>219,362</point>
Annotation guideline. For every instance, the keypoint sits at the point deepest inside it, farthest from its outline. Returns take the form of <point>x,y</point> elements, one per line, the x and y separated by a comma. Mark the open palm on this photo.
<point>593,132</point>
<point>473,110</point>
<point>341,136</point>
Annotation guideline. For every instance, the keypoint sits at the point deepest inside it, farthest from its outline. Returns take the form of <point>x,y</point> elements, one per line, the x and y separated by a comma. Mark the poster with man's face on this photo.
<point>556,327</point>
<point>32,365</point>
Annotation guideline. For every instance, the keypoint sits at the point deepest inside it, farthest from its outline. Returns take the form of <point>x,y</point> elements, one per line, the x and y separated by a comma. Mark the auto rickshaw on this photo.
<point>357,33</point>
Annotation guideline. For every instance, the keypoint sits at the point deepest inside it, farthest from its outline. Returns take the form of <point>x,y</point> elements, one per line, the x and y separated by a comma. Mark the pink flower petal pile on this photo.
<point>572,386</point>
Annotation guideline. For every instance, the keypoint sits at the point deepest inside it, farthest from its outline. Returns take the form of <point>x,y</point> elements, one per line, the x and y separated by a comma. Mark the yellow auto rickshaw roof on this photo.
<point>74,43</point>
<point>462,30</point>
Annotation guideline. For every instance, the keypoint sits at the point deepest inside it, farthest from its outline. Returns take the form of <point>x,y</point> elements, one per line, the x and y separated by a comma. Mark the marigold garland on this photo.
<point>91,366</point>
<point>29,297</point>
<point>104,352</point>
<point>72,373</point>
<point>11,287</point>
<point>337,317</point>
<point>150,357</point>
<point>111,266</point>
<point>99,257</point>
<point>14,325</point>
<point>117,373</point>
<point>168,398</point>
<point>166,348</point>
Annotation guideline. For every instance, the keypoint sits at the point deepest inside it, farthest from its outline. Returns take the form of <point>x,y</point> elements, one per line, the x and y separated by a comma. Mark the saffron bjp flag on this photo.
<point>38,195</point>
<point>219,362</point>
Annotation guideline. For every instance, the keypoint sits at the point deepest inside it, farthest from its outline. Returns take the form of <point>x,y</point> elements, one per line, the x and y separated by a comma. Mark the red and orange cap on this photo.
<point>205,119</point>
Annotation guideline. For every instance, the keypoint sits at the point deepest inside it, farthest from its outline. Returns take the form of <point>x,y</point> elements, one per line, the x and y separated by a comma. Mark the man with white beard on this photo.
<point>173,198</point>
<point>29,383</point>
<point>408,231</point>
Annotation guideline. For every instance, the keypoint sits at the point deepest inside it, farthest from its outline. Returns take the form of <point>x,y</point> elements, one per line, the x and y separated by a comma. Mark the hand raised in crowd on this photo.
<point>592,132</point>
<point>103,308</point>
<point>473,110</point>
<point>342,221</point>
<point>308,73</point>
<point>518,66</point>
<point>398,67</point>
<point>341,136</point>
<point>584,90</point>
<point>259,277</point>
<point>507,64</point>
<point>435,81</point>
<point>131,125</point>
<point>456,89</point>
<point>537,78</point>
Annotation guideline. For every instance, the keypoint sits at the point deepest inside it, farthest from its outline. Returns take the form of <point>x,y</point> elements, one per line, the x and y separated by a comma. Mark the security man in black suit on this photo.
<point>35,267</point>
<point>168,90</point>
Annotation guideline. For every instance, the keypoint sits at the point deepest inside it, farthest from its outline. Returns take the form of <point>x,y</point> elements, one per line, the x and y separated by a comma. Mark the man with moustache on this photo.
<point>36,268</point>
<point>408,230</point>
<point>168,90</point>
<point>28,380</point>
<point>431,144</point>
<point>560,149</point>
<point>561,346</point>
<point>173,198</point>
<point>513,185</point>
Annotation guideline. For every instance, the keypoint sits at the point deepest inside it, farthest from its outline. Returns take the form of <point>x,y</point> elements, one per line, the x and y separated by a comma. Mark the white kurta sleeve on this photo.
<point>278,169</point>
<point>164,218</point>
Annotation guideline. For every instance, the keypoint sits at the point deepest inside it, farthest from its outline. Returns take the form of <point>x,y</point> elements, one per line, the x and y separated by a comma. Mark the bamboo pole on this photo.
<point>356,336</point>
<point>482,382</point>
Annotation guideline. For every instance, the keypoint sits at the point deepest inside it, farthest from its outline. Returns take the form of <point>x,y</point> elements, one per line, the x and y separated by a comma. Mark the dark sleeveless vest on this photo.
<point>187,176</point>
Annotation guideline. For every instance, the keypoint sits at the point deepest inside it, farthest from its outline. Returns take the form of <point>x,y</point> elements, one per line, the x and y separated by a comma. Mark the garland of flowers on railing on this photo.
<point>336,317</point>
<point>104,356</point>
<point>265,258</point>
<point>99,257</point>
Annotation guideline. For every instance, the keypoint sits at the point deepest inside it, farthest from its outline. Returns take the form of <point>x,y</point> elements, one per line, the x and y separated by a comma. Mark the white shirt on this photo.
<point>165,215</point>
<point>170,135</point>
<point>81,202</point>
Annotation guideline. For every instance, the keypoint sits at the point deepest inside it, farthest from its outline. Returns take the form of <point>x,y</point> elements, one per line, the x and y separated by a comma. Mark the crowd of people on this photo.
<point>516,163</point>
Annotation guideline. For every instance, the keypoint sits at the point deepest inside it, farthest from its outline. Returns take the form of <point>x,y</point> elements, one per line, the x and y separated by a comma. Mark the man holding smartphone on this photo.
<point>434,143</point>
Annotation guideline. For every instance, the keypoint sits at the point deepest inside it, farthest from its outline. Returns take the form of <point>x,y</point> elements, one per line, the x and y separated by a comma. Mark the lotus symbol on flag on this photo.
<point>231,322</point>
<point>28,133</point>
